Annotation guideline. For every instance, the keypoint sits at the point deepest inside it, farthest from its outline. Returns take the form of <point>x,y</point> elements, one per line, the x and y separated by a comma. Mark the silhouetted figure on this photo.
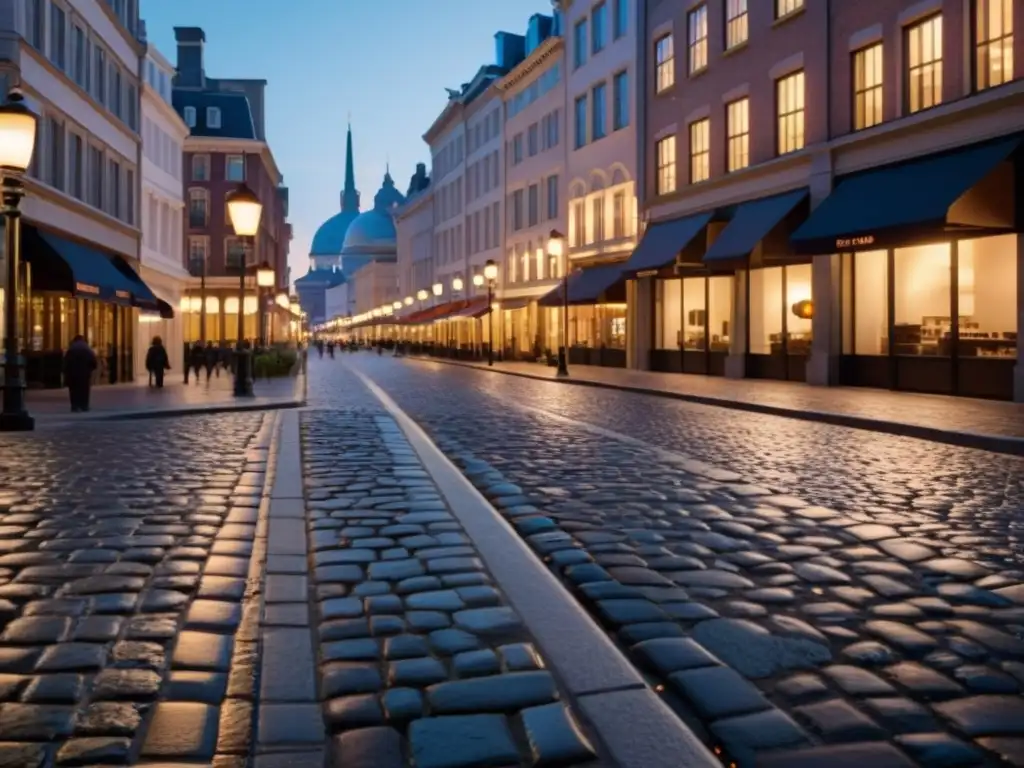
<point>157,362</point>
<point>210,357</point>
<point>330,349</point>
<point>79,365</point>
<point>196,360</point>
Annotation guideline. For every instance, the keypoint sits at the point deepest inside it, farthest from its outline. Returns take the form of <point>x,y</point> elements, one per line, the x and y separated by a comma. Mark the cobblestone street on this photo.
<point>124,552</point>
<point>805,594</point>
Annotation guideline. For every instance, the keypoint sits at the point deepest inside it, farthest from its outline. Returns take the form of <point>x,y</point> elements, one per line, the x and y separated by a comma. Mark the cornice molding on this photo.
<point>531,63</point>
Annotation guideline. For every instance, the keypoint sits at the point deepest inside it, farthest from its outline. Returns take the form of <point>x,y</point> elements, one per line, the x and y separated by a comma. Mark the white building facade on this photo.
<point>162,249</point>
<point>77,62</point>
<point>414,227</point>
<point>485,185</point>
<point>601,86</point>
<point>447,141</point>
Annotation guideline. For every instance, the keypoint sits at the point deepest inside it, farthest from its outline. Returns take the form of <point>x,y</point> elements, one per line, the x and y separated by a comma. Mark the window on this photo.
<point>55,159</point>
<point>924,64</point>
<point>517,210</point>
<point>198,208</point>
<point>200,167</point>
<point>190,116</point>
<point>96,180</point>
<point>597,211</point>
<point>114,207</point>
<point>198,252</point>
<point>867,87</point>
<point>598,27</point>
<point>700,150</point>
<point>129,188</point>
<point>75,160</point>
<point>100,75</point>
<point>235,255</point>
<point>580,127</point>
<point>133,103</point>
<point>58,39</point>
<point>737,118</point>
<point>621,21</point>
<point>664,57</point>
<point>552,197</point>
<point>789,99</point>
<point>665,182</point>
<point>213,117</point>
<point>697,37</point>
<point>786,7</point>
<point>579,223</point>
<point>550,126</point>
<point>531,140</point>
<point>234,168</point>
<point>737,26</point>
<point>618,215</point>
<point>80,63</point>
<point>993,40</point>
<point>34,23</point>
<point>579,43</point>
<point>599,106</point>
<point>532,205</point>
<point>620,100</point>
<point>116,100</point>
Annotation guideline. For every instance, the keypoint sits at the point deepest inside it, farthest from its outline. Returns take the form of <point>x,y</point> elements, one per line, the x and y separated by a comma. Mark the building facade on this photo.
<point>447,141</point>
<point>414,228</point>
<point>602,157</point>
<point>223,150</point>
<point>535,181</point>
<point>829,191</point>
<point>162,257</point>
<point>77,62</point>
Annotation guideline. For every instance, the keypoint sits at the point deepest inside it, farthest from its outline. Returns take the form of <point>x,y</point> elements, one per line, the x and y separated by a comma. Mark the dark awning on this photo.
<point>65,265</point>
<point>591,285</point>
<point>663,240</point>
<point>142,296</point>
<point>752,222</point>
<point>165,309</point>
<point>888,206</point>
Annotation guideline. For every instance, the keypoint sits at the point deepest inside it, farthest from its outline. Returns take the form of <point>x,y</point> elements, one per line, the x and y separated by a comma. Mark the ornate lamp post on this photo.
<point>452,336</point>
<point>478,281</point>
<point>265,279</point>
<point>556,247</point>
<point>490,275</point>
<point>17,140</point>
<point>294,307</point>
<point>245,210</point>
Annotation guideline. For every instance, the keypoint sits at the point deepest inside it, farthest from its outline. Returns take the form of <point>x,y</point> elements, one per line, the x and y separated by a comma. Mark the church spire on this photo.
<point>349,196</point>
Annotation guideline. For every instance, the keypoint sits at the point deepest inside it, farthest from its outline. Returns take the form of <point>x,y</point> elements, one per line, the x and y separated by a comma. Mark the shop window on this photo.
<point>789,97</point>
<point>867,87</point>
<point>694,313</point>
<point>870,305</point>
<point>924,64</point>
<point>798,295</point>
<point>669,313</point>
<point>665,62</point>
<point>922,320</point>
<point>700,151</point>
<point>987,297</point>
<point>720,292</point>
<point>737,27</point>
<point>993,43</point>
<point>765,310</point>
<point>697,37</point>
<point>738,134</point>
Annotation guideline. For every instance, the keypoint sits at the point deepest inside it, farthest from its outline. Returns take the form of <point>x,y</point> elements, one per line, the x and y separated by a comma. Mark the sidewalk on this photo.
<point>986,424</point>
<point>138,401</point>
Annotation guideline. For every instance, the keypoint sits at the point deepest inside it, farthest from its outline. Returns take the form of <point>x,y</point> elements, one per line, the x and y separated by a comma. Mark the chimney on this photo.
<point>510,49</point>
<point>190,58</point>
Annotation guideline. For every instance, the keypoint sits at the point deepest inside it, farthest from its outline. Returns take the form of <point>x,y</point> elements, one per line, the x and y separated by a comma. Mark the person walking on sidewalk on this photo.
<point>157,362</point>
<point>196,360</point>
<point>79,365</point>
<point>210,357</point>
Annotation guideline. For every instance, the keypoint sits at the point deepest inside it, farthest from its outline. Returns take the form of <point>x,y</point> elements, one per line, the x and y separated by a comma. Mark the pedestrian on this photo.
<point>197,358</point>
<point>330,349</point>
<point>210,356</point>
<point>79,365</point>
<point>157,362</point>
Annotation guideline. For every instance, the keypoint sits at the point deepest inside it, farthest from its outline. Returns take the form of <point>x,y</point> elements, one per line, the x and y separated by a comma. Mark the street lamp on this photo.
<point>556,247</point>
<point>457,284</point>
<point>245,210</point>
<point>437,289</point>
<point>490,275</point>
<point>478,280</point>
<point>265,280</point>
<point>421,295</point>
<point>396,306</point>
<point>17,141</point>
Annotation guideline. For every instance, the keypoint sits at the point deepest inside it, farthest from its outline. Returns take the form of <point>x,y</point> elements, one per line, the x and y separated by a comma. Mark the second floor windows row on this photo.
<point>234,168</point>
<point>590,111</point>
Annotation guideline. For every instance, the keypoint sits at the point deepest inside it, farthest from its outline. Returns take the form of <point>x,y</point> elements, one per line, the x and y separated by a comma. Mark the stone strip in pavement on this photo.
<point>634,725</point>
<point>290,728</point>
<point>1006,444</point>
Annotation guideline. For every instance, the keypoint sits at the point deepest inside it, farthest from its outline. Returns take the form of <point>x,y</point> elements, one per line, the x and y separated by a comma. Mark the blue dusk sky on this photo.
<point>385,63</point>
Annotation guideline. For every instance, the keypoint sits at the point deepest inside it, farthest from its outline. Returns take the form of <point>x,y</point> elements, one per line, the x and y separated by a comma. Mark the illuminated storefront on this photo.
<point>597,316</point>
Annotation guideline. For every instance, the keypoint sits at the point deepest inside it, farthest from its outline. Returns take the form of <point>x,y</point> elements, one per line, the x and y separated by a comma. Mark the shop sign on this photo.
<point>854,242</point>
<point>122,294</point>
<point>647,273</point>
<point>86,288</point>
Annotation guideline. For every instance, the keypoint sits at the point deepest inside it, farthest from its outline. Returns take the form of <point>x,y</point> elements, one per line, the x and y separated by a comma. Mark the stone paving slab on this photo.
<point>974,423</point>
<point>126,629</point>
<point>881,619</point>
<point>421,660</point>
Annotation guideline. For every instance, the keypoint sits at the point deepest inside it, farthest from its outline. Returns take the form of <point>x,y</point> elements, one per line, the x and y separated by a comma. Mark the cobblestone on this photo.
<point>107,538</point>
<point>420,658</point>
<point>782,548</point>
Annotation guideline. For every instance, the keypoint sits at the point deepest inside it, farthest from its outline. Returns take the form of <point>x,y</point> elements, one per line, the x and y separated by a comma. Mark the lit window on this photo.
<point>190,117</point>
<point>666,178</point>
<point>697,36</point>
<point>789,95</point>
<point>867,87</point>
<point>664,57</point>
<point>737,28</point>
<point>700,151</point>
<point>213,117</point>
<point>993,40</point>
<point>924,64</point>
<point>786,7</point>
<point>738,134</point>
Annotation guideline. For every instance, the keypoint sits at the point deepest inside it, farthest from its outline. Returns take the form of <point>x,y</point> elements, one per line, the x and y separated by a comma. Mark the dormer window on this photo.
<point>190,117</point>
<point>213,117</point>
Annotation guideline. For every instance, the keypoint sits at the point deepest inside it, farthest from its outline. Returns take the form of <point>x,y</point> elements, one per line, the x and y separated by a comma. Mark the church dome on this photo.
<point>330,237</point>
<point>373,232</point>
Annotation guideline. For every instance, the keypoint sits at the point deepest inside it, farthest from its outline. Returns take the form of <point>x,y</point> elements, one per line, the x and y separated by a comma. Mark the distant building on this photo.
<point>227,147</point>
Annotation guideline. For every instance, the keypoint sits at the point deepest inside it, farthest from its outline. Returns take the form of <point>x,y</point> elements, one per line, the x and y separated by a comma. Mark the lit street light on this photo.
<point>17,141</point>
<point>556,247</point>
<point>490,275</point>
<point>244,210</point>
